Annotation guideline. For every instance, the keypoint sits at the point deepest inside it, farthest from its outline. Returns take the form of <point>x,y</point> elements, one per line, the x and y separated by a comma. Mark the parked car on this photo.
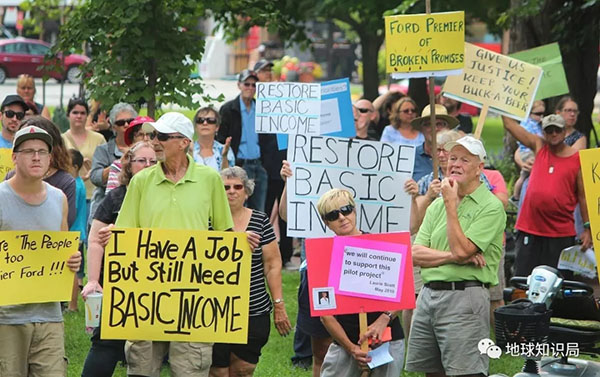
<point>20,55</point>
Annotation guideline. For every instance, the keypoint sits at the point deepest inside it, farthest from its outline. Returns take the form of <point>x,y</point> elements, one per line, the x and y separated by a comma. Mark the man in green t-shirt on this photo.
<point>458,248</point>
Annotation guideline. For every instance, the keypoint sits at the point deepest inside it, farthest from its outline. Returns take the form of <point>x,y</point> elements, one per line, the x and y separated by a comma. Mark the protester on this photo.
<point>423,152</point>
<point>85,141</point>
<point>119,118</point>
<point>13,111</point>
<point>545,222</point>
<point>264,70</point>
<point>208,151</point>
<point>345,357</point>
<point>364,114</point>
<point>104,354</point>
<point>568,109</point>
<point>458,248</point>
<point>26,89</point>
<point>133,133</point>
<point>465,122</point>
<point>383,106</point>
<point>32,110</point>
<point>33,334</point>
<point>241,359</point>
<point>177,193</point>
<point>80,223</point>
<point>237,121</point>
<point>401,130</point>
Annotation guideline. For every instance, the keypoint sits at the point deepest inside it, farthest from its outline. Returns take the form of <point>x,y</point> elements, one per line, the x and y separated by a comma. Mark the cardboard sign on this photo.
<point>176,285</point>
<point>423,45</point>
<point>590,170</point>
<point>337,118</point>
<point>321,259</point>
<point>288,108</point>
<point>506,85</point>
<point>548,57</point>
<point>373,172</point>
<point>33,266</point>
<point>6,163</point>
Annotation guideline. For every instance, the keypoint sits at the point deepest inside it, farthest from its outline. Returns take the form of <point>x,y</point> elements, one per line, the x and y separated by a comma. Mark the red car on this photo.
<point>22,55</point>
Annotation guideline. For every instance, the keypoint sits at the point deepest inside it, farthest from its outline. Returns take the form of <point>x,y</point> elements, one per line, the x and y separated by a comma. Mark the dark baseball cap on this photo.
<point>262,63</point>
<point>12,99</point>
<point>246,74</point>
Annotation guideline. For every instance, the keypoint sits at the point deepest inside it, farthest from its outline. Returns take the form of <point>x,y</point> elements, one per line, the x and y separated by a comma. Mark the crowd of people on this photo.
<point>215,172</point>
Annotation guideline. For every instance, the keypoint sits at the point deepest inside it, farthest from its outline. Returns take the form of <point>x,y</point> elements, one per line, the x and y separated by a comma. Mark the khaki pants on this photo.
<point>144,358</point>
<point>32,349</point>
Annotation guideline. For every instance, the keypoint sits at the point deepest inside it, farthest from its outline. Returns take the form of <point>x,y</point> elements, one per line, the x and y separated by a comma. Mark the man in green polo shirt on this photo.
<point>174,194</point>
<point>458,248</point>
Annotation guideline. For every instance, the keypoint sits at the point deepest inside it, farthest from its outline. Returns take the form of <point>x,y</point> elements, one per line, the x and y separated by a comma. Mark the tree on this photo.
<point>141,50</point>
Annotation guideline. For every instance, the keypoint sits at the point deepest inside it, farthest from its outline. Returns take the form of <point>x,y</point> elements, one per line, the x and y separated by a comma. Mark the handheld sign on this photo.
<point>372,171</point>
<point>176,285</point>
<point>548,57</point>
<point>288,108</point>
<point>378,277</point>
<point>590,170</point>
<point>33,266</point>
<point>422,45</point>
<point>496,82</point>
<point>6,163</point>
<point>337,118</point>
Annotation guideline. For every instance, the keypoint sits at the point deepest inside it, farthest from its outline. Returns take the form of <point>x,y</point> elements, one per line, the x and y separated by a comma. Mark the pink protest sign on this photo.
<point>324,299</point>
<point>368,269</point>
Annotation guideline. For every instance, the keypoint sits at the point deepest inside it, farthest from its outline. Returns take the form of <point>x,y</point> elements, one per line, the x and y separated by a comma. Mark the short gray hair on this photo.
<point>239,173</point>
<point>118,109</point>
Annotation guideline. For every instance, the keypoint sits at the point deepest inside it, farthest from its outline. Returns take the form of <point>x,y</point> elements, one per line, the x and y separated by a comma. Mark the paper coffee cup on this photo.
<point>93,304</point>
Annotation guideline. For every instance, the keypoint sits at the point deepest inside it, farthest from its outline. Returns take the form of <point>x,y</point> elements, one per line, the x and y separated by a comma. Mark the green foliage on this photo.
<point>41,11</point>
<point>139,50</point>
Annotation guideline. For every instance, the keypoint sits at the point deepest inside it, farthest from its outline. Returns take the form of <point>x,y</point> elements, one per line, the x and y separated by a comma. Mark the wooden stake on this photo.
<point>481,121</point>
<point>362,324</point>
<point>434,156</point>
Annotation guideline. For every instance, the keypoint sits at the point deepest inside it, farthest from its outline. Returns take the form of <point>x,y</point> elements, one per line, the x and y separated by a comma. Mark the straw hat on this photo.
<point>440,113</point>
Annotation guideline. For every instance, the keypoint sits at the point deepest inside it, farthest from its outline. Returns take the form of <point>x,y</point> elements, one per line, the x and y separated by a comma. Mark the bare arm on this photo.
<point>460,246</point>
<point>526,138</point>
<point>74,260</point>
<point>46,113</point>
<point>339,335</point>
<point>286,172</point>
<point>94,259</point>
<point>580,144</point>
<point>272,267</point>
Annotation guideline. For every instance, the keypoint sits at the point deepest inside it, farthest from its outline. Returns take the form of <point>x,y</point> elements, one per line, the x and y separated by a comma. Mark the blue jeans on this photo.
<point>255,171</point>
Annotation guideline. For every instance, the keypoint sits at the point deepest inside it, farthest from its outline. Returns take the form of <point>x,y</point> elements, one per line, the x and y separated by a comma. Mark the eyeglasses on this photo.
<point>552,130</point>
<point>32,152</point>
<point>145,161</point>
<point>9,114</point>
<point>201,120</point>
<point>122,122</point>
<point>335,214</point>
<point>164,137</point>
<point>362,110</point>
<point>408,111</point>
<point>143,134</point>
<point>574,111</point>
<point>541,113</point>
<point>237,186</point>
<point>250,84</point>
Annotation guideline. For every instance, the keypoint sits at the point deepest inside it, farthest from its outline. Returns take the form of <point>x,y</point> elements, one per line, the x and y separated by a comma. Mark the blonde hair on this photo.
<point>395,114</point>
<point>25,79</point>
<point>331,200</point>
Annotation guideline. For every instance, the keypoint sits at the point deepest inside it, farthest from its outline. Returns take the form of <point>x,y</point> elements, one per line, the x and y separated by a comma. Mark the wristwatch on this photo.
<point>278,301</point>
<point>389,314</point>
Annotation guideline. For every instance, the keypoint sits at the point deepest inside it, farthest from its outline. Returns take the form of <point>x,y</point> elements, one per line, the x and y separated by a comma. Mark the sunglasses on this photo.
<point>335,214</point>
<point>122,122</point>
<point>362,110</point>
<point>552,130</point>
<point>408,111</point>
<point>144,161</point>
<point>237,186</point>
<point>164,137</point>
<point>201,120</point>
<point>541,113</point>
<point>9,114</point>
<point>250,84</point>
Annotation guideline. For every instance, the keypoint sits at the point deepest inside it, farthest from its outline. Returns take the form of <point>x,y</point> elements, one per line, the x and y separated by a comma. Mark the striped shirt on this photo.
<point>260,303</point>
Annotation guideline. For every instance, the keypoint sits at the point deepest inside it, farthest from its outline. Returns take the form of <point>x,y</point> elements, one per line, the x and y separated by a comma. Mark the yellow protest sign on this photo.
<point>590,170</point>
<point>421,45</point>
<point>505,85</point>
<point>33,266</point>
<point>176,285</point>
<point>6,163</point>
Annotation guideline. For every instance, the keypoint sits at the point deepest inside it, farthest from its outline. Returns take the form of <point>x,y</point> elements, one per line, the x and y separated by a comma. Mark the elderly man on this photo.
<point>264,70</point>
<point>458,248</point>
<point>13,111</point>
<point>176,193</point>
<point>364,114</point>
<point>546,224</point>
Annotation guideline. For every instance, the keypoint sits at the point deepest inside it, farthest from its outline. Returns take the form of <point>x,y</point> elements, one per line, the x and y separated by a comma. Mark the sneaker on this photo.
<point>290,266</point>
<point>305,363</point>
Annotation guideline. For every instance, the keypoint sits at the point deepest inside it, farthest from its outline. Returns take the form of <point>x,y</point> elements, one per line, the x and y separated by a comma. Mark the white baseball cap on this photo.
<point>171,123</point>
<point>473,145</point>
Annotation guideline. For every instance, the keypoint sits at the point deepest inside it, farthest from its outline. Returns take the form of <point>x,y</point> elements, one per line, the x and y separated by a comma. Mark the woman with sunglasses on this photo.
<point>568,109</point>
<point>401,131</point>
<point>241,359</point>
<point>344,356</point>
<point>104,354</point>
<point>119,118</point>
<point>208,151</point>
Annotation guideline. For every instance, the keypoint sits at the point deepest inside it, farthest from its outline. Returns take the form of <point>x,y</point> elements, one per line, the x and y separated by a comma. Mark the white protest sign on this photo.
<point>581,262</point>
<point>373,172</point>
<point>288,108</point>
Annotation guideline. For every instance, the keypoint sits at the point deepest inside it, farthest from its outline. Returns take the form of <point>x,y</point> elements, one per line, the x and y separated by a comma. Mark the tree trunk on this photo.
<point>370,44</point>
<point>418,91</point>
